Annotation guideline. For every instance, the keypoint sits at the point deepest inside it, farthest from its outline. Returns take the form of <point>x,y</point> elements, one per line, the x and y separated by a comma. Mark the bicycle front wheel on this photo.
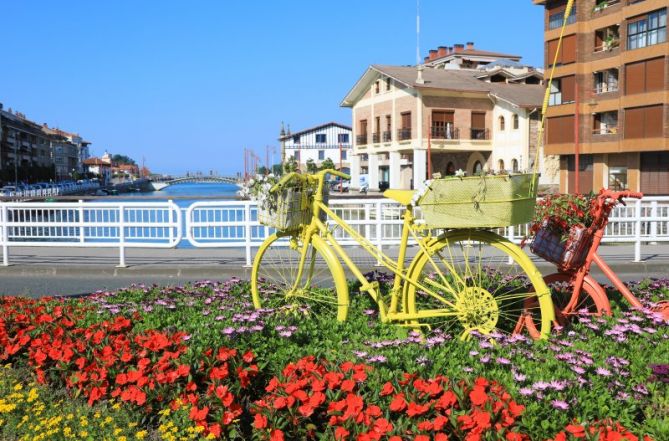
<point>282,278</point>
<point>474,280</point>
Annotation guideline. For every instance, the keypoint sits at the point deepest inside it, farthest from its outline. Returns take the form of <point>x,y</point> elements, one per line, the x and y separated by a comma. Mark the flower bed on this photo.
<point>198,361</point>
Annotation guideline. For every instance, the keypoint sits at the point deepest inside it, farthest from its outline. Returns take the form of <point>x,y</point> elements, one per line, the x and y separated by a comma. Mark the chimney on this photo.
<point>470,45</point>
<point>0,106</point>
<point>442,51</point>
<point>433,54</point>
<point>426,59</point>
<point>459,48</point>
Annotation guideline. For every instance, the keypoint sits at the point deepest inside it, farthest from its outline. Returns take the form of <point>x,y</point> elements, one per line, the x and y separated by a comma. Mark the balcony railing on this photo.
<point>608,45</point>
<point>404,134</point>
<point>445,132</point>
<point>480,134</point>
<point>605,130</point>
<point>376,137</point>
<point>387,136</point>
<point>361,139</point>
<point>605,88</point>
<point>602,5</point>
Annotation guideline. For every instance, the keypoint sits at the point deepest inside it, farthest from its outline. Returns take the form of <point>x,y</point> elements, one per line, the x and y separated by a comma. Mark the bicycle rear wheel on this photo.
<point>474,280</point>
<point>280,278</point>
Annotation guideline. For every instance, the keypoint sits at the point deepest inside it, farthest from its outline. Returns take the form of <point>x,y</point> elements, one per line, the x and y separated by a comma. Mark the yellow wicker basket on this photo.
<point>479,201</point>
<point>287,209</point>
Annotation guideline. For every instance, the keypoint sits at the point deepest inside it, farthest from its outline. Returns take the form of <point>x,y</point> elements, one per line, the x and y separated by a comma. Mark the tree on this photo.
<point>123,159</point>
<point>327,164</point>
<point>276,169</point>
<point>311,166</point>
<point>290,165</point>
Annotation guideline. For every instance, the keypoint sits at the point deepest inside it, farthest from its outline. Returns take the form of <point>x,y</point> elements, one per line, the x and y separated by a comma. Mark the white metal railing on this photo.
<point>90,224</point>
<point>54,190</point>
<point>234,224</point>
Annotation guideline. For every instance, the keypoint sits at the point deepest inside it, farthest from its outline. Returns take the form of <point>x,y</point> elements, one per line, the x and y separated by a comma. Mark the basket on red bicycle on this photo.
<point>561,229</point>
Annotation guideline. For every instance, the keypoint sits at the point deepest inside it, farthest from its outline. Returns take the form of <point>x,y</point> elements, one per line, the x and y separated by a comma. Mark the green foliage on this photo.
<point>123,159</point>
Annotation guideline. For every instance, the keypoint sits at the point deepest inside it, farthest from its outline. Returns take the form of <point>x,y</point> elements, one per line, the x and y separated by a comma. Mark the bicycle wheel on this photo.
<point>279,281</point>
<point>474,280</point>
<point>591,300</point>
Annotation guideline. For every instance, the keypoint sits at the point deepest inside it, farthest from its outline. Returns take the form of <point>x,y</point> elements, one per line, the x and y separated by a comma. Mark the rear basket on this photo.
<point>569,254</point>
<point>480,201</point>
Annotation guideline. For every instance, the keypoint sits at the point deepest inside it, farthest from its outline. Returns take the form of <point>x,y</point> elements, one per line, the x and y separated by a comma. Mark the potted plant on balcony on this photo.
<point>600,6</point>
<point>610,43</point>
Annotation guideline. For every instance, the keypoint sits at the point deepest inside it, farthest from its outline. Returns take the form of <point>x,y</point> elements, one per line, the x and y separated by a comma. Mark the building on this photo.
<point>64,153</point>
<point>101,167</point>
<point>326,141</point>
<point>473,109</point>
<point>25,152</point>
<point>611,90</point>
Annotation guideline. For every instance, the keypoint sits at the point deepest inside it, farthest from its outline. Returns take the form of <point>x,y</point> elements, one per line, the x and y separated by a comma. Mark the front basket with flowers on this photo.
<point>561,229</point>
<point>287,209</point>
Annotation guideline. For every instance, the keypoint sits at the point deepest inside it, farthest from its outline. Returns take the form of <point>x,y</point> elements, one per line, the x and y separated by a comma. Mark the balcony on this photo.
<point>376,137</point>
<point>404,134</point>
<point>607,39</point>
<point>605,130</point>
<point>361,139</point>
<point>606,81</point>
<point>387,136</point>
<point>605,123</point>
<point>449,132</point>
<point>601,5</point>
<point>479,134</point>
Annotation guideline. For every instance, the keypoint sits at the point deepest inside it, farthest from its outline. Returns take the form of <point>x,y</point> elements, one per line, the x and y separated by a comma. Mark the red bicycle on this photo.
<point>575,291</point>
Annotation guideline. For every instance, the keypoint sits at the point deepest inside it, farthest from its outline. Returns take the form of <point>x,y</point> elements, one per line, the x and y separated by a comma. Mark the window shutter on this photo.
<point>634,123</point>
<point>568,85</point>
<point>552,48</point>
<point>569,49</point>
<point>478,120</point>
<point>635,78</point>
<point>560,130</point>
<point>653,121</point>
<point>655,173</point>
<point>655,74</point>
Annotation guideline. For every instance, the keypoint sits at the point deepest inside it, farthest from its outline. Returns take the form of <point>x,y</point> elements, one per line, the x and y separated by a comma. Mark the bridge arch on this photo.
<point>159,185</point>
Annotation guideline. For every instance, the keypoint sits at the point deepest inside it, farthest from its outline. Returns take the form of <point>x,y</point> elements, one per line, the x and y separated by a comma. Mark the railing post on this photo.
<point>637,233</point>
<point>5,239</point>
<point>511,235</point>
<point>247,234</point>
<point>169,219</point>
<point>81,221</point>
<point>121,236</point>
<point>653,222</point>
<point>379,232</point>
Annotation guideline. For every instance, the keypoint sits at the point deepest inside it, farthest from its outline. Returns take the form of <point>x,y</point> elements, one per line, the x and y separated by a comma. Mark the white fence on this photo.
<point>233,224</point>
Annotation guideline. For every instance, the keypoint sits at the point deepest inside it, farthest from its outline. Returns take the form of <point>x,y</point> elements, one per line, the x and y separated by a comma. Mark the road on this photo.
<point>77,271</point>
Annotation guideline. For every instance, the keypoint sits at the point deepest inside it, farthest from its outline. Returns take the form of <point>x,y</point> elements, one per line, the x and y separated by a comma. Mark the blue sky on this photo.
<point>188,85</point>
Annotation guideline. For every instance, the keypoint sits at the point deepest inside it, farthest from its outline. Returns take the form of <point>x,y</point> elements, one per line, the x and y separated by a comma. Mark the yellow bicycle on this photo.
<point>461,281</point>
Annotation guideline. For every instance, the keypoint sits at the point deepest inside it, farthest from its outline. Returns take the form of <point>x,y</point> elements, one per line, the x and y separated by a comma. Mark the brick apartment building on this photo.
<point>614,63</point>
<point>475,109</point>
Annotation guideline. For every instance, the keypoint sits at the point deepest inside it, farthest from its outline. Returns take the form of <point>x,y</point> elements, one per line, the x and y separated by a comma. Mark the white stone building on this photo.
<point>326,141</point>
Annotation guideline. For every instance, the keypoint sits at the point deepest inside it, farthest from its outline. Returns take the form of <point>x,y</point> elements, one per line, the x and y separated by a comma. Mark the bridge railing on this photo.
<point>234,224</point>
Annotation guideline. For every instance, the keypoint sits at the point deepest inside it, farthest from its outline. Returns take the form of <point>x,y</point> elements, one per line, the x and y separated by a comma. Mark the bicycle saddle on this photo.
<point>402,196</point>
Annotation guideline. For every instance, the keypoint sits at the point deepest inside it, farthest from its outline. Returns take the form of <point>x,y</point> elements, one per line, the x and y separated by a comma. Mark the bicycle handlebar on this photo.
<point>317,176</point>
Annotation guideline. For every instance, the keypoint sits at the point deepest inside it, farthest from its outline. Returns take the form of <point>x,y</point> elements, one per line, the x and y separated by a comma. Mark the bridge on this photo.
<point>161,184</point>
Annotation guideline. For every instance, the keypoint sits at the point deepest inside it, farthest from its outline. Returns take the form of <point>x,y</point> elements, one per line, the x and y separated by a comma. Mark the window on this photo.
<point>647,30</point>
<point>442,124</point>
<point>320,138</point>
<point>387,84</point>
<point>478,167</point>
<point>514,165</point>
<point>405,131</point>
<point>618,178</point>
<point>296,139</point>
<point>515,122</point>
<point>344,152</point>
<point>655,172</point>
<point>644,76</point>
<point>566,55</point>
<point>556,19</point>
<point>387,134</point>
<point>500,165</point>
<point>501,123</point>
<point>606,81</point>
<point>377,86</point>
<point>342,138</point>
<point>643,122</point>
<point>607,39</point>
<point>605,123</point>
<point>321,155</point>
<point>562,91</point>
<point>478,128</point>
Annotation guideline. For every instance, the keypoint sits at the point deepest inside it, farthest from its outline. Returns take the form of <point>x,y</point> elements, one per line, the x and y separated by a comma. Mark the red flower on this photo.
<point>259,421</point>
<point>478,395</point>
<point>387,389</point>
<point>341,433</point>
<point>198,414</point>
<point>398,404</point>
<point>417,409</point>
<point>248,357</point>
<point>276,435</point>
<point>577,431</point>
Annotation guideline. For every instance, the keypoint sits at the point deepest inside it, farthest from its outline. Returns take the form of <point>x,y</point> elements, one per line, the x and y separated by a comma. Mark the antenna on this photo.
<point>419,66</point>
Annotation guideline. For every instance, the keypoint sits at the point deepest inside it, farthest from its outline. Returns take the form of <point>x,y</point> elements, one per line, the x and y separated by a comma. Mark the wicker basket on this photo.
<point>568,254</point>
<point>479,201</point>
<point>287,209</point>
